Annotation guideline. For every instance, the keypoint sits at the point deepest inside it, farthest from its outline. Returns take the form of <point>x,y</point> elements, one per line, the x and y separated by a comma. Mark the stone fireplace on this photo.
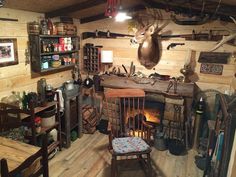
<point>154,92</point>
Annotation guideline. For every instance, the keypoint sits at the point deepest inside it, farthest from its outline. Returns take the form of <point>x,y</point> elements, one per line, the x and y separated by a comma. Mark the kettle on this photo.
<point>88,82</point>
<point>69,85</point>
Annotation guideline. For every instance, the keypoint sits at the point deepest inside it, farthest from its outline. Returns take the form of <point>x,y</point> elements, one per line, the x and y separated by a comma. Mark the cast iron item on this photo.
<point>41,88</point>
<point>88,82</point>
<point>176,146</point>
<point>97,83</point>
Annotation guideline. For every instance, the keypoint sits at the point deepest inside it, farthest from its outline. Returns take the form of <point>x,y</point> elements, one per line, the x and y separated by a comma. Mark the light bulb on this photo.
<point>122,16</point>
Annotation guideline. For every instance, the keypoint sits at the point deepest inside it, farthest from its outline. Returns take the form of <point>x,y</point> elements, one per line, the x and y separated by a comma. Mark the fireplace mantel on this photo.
<point>147,84</point>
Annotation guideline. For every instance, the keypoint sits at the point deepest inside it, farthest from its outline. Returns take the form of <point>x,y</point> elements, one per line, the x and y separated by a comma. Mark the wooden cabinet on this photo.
<point>53,52</point>
<point>92,59</point>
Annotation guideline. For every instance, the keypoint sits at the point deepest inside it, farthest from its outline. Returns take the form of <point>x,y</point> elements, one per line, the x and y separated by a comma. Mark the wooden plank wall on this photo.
<point>18,77</point>
<point>171,60</point>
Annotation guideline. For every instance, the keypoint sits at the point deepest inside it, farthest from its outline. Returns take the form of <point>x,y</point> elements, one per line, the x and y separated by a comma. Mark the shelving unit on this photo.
<point>92,59</point>
<point>29,121</point>
<point>53,52</point>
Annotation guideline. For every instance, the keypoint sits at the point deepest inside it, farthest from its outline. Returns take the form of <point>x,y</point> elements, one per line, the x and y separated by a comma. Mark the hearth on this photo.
<point>153,111</point>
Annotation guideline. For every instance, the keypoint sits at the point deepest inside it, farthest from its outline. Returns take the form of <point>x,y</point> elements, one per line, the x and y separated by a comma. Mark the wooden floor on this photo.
<point>88,157</point>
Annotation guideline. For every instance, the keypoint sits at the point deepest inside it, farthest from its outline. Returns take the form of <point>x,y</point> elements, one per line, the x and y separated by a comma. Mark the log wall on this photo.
<point>171,60</point>
<point>18,77</point>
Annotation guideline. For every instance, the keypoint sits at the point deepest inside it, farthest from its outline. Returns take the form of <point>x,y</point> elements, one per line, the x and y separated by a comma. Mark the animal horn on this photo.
<point>232,18</point>
<point>225,39</point>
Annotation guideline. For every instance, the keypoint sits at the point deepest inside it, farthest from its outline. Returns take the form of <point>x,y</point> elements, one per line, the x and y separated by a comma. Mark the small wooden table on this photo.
<point>15,152</point>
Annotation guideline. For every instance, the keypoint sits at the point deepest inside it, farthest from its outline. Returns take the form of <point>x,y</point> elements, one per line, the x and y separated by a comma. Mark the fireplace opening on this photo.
<point>153,113</point>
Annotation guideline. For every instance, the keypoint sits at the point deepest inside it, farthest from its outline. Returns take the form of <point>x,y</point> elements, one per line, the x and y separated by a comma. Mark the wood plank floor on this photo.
<point>89,157</point>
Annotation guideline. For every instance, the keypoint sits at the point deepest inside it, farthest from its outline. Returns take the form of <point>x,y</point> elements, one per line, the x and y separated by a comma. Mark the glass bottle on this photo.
<point>24,101</point>
<point>50,27</point>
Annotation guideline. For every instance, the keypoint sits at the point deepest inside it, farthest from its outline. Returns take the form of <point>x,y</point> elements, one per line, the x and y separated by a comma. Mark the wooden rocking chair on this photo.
<point>129,134</point>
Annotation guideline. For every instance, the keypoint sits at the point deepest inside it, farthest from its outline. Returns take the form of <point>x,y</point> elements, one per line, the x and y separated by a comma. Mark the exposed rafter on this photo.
<point>223,12</point>
<point>92,18</point>
<point>74,8</point>
<point>102,16</point>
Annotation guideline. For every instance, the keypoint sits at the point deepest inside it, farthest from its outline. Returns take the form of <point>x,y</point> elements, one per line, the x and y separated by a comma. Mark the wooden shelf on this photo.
<point>52,146</point>
<point>48,105</point>
<point>92,59</point>
<point>39,56</point>
<point>59,53</point>
<point>58,68</point>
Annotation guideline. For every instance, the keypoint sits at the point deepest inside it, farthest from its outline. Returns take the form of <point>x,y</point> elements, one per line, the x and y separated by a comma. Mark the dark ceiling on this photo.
<point>91,10</point>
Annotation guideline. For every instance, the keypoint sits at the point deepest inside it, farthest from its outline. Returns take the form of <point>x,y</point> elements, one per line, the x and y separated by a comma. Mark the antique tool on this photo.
<point>172,45</point>
<point>132,69</point>
<point>125,69</point>
<point>159,76</point>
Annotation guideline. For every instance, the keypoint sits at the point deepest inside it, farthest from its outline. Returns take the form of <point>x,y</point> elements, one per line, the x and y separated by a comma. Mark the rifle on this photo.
<point>101,34</point>
<point>193,37</point>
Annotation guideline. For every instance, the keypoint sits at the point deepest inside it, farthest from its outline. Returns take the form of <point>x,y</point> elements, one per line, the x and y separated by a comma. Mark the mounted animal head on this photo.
<point>225,38</point>
<point>146,25</point>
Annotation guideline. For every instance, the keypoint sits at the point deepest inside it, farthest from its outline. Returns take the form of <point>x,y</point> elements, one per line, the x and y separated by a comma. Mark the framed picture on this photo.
<point>8,52</point>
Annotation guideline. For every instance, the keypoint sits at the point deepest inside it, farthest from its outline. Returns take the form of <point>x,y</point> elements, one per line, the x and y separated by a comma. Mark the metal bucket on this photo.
<point>160,141</point>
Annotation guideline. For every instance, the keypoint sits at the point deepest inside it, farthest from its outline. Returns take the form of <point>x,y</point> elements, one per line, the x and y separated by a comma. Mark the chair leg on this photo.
<point>149,166</point>
<point>113,166</point>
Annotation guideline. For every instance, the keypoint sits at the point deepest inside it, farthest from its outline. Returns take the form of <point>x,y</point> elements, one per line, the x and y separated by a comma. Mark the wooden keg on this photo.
<point>61,28</point>
<point>71,29</point>
<point>33,28</point>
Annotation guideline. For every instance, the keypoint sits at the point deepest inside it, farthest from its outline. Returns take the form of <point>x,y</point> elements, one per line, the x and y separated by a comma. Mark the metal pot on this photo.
<point>160,142</point>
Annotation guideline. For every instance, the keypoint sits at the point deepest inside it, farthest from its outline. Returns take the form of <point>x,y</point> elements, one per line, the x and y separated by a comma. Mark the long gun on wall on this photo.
<point>194,36</point>
<point>101,34</point>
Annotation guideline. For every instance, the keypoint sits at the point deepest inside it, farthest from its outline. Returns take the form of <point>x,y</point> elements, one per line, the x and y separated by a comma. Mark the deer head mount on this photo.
<point>146,35</point>
<point>225,38</point>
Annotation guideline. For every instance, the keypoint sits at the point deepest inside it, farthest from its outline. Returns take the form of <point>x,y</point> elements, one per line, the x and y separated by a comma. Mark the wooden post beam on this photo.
<point>73,8</point>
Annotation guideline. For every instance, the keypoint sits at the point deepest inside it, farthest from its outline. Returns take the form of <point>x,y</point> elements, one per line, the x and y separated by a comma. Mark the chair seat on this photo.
<point>129,144</point>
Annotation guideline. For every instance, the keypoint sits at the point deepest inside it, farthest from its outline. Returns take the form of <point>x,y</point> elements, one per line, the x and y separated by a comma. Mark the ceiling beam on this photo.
<point>223,12</point>
<point>102,15</point>
<point>73,8</point>
<point>93,18</point>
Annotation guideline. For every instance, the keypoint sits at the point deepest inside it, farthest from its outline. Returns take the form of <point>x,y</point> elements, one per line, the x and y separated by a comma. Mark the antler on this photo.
<point>225,39</point>
<point>145,18</point>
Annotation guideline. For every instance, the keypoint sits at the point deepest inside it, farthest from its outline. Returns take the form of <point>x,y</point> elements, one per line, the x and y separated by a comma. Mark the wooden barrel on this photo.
<point>61,28</point>
<point>71,29</point>
<point>33,28</point>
